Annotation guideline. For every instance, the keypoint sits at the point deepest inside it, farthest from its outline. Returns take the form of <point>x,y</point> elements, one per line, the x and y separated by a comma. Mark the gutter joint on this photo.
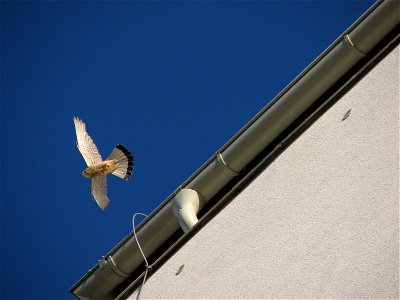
<point>349,42</point>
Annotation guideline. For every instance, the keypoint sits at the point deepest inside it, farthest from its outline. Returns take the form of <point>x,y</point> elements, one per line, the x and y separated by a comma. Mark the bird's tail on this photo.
<point>125,161</point>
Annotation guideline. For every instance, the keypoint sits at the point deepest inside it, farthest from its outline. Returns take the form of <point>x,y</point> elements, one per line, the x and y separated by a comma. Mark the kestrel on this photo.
<point>119,163</point>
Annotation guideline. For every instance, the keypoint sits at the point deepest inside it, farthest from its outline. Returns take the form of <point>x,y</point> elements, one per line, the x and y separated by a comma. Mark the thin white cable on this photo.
<point>141,251</point>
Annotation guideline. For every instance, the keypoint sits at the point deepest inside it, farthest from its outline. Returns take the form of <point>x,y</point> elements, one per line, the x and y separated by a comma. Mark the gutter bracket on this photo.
<point>220,158</point>
<point>115,268</point>
<point>185,206</point>
<point>349,42</point>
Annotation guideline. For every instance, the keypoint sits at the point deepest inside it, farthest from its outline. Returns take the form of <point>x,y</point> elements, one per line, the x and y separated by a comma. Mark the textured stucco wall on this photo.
<point>322,221</point>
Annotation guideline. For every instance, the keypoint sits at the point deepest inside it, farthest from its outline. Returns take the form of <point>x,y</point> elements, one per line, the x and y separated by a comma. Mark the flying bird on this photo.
<point>119,163</point>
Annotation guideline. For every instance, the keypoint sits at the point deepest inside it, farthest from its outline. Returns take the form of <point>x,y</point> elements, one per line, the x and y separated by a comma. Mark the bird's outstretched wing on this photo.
<point>99,191</point>
<point>85,144</point>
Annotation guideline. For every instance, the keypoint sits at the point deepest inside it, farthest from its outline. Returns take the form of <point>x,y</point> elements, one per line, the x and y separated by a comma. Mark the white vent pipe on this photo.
<point>186,205</point>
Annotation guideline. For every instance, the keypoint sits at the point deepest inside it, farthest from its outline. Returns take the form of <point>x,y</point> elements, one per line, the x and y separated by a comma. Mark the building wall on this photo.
<point>322,221</point>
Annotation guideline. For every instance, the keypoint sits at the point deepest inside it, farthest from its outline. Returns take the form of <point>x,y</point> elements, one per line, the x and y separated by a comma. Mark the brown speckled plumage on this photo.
<point>119,163</point>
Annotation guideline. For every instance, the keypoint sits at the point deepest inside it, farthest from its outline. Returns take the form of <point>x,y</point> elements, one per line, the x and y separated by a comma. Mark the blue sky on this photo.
<point>172,81</point>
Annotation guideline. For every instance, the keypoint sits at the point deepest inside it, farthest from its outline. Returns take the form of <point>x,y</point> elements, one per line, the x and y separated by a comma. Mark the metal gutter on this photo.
<point>232,159</point>
<point>264,159</point>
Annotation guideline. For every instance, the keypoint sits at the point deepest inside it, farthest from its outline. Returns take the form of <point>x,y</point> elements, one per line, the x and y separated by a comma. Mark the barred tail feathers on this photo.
<point>125,161</point>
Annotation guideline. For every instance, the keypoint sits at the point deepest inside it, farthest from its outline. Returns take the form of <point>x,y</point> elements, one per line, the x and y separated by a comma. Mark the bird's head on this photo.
<point>86,173</point>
